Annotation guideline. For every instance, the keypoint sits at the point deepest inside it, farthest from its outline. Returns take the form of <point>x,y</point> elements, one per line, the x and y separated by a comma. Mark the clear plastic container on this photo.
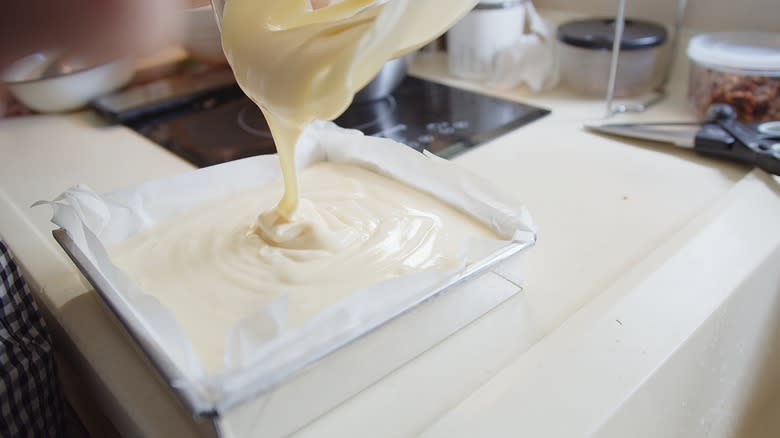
<point>474,43</point>
<point>586,52</point>
<point>740,69</point>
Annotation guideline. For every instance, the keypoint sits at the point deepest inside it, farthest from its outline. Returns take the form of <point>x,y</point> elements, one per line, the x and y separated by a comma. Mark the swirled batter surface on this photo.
<point>219,263</point>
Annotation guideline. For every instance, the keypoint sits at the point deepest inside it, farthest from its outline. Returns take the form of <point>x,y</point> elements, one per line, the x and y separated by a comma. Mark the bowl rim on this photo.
<point>49,54</point>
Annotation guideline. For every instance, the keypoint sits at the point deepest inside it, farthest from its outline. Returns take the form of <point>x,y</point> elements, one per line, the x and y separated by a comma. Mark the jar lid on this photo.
<point>599,34</point>
<point>739,50</point>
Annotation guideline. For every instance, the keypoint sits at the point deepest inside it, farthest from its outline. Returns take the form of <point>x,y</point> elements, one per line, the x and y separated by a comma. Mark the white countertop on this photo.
<point>641,249</point>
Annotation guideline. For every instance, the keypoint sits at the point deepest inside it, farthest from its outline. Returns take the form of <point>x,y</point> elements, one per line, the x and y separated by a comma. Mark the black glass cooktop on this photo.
<point>421,114</point>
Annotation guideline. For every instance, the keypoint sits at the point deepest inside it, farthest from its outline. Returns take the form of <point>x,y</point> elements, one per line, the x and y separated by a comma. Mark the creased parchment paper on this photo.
<point>260,350</point>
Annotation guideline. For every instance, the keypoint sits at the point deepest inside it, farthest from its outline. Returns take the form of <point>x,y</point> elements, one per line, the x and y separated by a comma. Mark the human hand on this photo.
<point>111,27</point>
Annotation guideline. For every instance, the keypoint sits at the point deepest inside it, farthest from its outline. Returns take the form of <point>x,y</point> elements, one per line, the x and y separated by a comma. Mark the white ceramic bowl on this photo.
<point>201,38</point>
<point>70,89</point>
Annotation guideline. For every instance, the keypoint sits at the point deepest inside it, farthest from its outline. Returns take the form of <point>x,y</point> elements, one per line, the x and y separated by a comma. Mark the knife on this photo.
<point>750,143</point>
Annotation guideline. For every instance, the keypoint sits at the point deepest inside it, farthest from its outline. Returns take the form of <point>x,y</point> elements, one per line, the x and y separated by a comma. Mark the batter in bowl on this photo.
<point>300,60</point>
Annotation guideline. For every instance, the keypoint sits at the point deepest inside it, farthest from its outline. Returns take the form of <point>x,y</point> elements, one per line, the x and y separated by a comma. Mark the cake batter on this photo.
<point>353,228</point>
<point>301,61</point>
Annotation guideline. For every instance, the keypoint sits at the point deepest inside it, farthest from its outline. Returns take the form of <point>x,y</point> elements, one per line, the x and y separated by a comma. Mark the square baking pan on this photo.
<point>284,383</point>
<point>319,384</point>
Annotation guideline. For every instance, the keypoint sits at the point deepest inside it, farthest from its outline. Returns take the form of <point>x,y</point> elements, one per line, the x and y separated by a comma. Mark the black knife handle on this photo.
<point>769,160</point>
<point>740,142</point>
<point>715,141</point>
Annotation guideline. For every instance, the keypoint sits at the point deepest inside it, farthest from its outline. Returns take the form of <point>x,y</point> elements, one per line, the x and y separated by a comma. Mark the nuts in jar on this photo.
<point>740,69</point>
<point>754,98</point>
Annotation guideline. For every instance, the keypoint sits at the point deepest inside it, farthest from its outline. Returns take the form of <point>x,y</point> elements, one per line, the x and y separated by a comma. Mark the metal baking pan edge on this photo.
<point>193,400</point>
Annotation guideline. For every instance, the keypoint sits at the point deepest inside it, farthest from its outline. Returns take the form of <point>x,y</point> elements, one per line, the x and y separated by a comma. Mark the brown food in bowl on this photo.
<point>754,98</point>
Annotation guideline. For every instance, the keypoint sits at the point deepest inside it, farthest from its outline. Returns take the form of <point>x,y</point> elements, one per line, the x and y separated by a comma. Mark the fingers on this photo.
<point>317,4</point>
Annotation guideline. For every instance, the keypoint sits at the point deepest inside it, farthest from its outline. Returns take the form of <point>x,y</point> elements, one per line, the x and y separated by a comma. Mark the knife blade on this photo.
<point>725,139</point>
<point>678,134</point>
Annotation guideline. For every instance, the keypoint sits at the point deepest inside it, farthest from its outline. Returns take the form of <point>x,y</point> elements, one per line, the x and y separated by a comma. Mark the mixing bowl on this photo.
<point>53,82</point>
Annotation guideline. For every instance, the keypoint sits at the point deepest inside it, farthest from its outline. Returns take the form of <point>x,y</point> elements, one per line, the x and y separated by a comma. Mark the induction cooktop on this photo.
<point>225,125</point>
